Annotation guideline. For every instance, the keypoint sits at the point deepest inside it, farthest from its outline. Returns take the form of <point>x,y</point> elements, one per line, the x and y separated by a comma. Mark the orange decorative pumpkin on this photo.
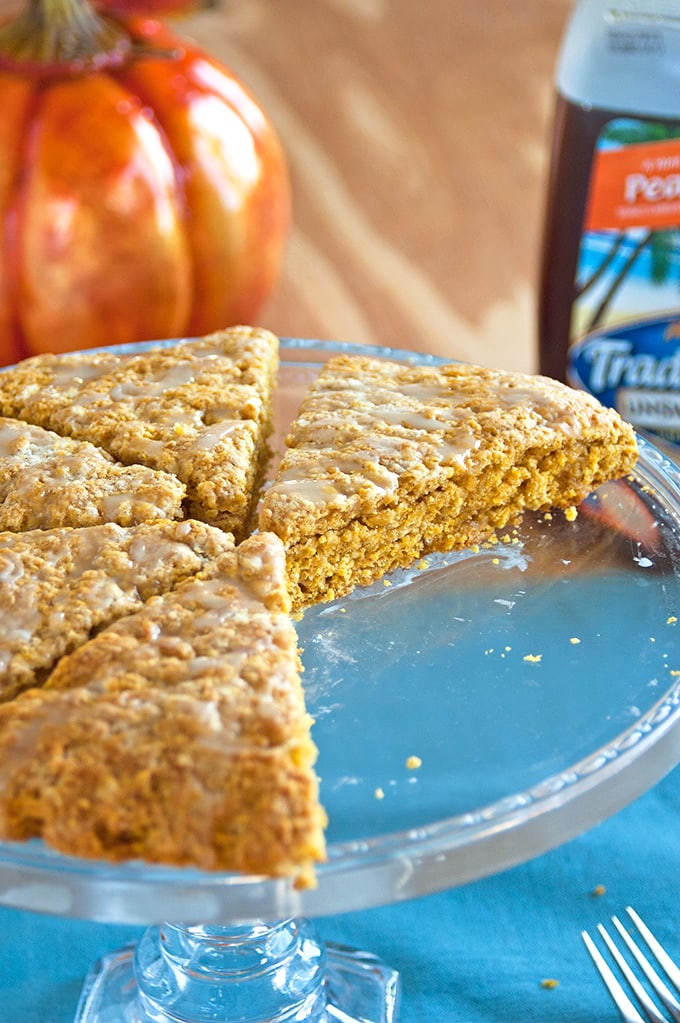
<point>144,193</point>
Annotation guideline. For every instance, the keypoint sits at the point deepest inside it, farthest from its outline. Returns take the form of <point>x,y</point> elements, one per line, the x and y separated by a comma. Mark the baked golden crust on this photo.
<point>200,410</point>
<point>388,461</point>
<point>178,735</point>
<point>48,481</point>
<point>58,585</point>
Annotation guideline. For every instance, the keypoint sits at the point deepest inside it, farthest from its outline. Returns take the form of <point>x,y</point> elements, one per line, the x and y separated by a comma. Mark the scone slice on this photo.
<point>48,481</point>
<point>389,461</point>
<point>200,410</point>
<point>58,585</point>
<point>178,735</point>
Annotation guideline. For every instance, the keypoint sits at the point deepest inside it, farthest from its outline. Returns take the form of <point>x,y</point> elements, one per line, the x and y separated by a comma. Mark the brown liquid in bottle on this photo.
<point>576,131</point>
<point>608,311</point>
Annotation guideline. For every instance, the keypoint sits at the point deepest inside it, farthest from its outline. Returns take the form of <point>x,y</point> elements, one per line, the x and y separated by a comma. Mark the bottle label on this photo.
<point>625,324</point>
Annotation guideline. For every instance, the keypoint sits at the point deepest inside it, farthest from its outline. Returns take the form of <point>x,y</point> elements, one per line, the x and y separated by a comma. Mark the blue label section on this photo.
<point>634,368</point>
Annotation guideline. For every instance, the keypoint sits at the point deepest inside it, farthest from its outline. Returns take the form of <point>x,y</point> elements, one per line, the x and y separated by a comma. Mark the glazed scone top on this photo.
<point>198,409</point>
<point>227,626</point>
<point>367,425</point>
<point>196,389</point>
<point>178,734</point>
<point>57,585</point>
<point>48,481</point>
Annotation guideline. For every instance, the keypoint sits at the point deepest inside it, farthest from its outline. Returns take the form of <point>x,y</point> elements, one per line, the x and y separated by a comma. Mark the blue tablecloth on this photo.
<point>476,954</point>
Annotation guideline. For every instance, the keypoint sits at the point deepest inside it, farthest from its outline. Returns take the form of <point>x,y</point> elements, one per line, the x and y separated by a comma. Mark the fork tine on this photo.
<point>636,987</point>
<point>623,1003</point>
<point>671,1003</point>
<point>671,969</point>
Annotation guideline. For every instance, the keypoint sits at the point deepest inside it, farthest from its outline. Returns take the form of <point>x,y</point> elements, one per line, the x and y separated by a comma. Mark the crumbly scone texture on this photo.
<point>57,586</point>
<point>389,461</point>
<point>198,409</point>
<point>48,481</point>
<point>178,734</point>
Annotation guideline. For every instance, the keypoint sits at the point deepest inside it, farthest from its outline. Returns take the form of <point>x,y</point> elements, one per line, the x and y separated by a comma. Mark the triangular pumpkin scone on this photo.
<point>198,409</point>
<point>389,461</point>
<point>48,481</point>
<point>58,585</point>
<point>178,735</point>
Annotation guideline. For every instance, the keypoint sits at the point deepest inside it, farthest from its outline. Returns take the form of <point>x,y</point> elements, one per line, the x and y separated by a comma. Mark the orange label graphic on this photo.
<point>635,186</point>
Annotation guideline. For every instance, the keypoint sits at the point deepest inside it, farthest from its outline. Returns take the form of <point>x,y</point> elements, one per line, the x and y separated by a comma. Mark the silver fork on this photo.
<point>628,1011</point>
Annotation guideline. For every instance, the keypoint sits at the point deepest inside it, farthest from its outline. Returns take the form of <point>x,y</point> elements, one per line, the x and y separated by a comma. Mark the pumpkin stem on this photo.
<point>61,36</point>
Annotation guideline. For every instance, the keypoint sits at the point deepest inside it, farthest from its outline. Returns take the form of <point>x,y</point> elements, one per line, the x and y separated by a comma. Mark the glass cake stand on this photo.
<point>471,713</point>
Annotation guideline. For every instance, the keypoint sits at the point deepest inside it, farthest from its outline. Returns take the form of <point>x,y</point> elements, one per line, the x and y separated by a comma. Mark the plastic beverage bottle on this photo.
<point>609,293</point>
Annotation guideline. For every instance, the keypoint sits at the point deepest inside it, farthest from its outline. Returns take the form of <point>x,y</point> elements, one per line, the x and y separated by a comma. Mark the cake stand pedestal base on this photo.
<point>267,973</point>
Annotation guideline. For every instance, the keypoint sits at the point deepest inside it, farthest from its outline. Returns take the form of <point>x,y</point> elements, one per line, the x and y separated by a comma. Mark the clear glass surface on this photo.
<point>537,680</point>
<point>277,973</point>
